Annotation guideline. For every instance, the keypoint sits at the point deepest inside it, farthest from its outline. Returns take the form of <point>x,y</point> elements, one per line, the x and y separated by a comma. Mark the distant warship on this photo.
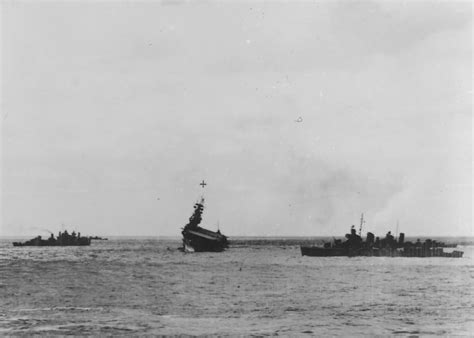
<point>373,246</point>
<point>198,239</point>
<point>98,238</point>
<point>63,239</point>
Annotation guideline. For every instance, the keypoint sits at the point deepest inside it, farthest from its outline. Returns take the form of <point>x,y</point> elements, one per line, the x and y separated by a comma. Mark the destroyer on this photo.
<point>63,239</point>
<point>198,239</point>
<point>389,246</point>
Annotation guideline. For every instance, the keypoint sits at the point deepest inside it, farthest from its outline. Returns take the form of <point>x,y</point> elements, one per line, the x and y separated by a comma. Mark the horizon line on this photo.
<point>240,236</point>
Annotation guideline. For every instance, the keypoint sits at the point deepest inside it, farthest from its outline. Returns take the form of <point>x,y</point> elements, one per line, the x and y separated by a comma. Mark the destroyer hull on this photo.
<point>46,243</point>
<point>314,251</point>
<point>21,244</point>
<point>374,246</point>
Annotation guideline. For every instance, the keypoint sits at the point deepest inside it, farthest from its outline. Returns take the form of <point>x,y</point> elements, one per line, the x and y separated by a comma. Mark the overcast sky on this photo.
<point>299,116</point>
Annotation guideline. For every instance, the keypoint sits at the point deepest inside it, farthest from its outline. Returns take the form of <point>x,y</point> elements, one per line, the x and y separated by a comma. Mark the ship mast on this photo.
<point>396,233</point>
<point>361,223</point>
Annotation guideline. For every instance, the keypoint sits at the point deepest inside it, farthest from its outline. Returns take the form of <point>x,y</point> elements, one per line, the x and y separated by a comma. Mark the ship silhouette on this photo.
<point>389,246</point>
<point>198,239</point>
<point>63,239</point>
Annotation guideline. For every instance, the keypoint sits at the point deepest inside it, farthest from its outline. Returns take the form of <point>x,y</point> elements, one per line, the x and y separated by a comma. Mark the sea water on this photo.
<point>256,287</point>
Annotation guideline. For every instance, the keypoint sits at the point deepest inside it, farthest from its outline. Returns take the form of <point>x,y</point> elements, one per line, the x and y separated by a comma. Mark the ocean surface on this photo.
<point>257,287</point>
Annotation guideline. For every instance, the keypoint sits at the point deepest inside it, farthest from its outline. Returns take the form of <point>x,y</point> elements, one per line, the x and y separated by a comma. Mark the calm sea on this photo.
<point>257,287</point>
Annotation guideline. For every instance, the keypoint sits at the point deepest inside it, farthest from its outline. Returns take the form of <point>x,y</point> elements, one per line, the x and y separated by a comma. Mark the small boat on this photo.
<point>98,238</point>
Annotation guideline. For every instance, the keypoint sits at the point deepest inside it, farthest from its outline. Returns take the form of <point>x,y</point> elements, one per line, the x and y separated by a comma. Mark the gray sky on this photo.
<point>112,113</point>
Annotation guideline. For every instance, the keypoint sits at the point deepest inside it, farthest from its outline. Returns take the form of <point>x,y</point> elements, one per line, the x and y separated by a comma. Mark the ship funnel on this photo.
<point>370,238</point>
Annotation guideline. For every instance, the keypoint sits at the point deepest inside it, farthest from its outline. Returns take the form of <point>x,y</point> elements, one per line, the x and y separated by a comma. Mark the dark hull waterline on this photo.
<point>52,244</point>
<point>376,252</point>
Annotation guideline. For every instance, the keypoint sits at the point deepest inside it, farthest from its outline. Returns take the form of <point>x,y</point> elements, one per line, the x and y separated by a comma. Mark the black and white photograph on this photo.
<point>236,168</point>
